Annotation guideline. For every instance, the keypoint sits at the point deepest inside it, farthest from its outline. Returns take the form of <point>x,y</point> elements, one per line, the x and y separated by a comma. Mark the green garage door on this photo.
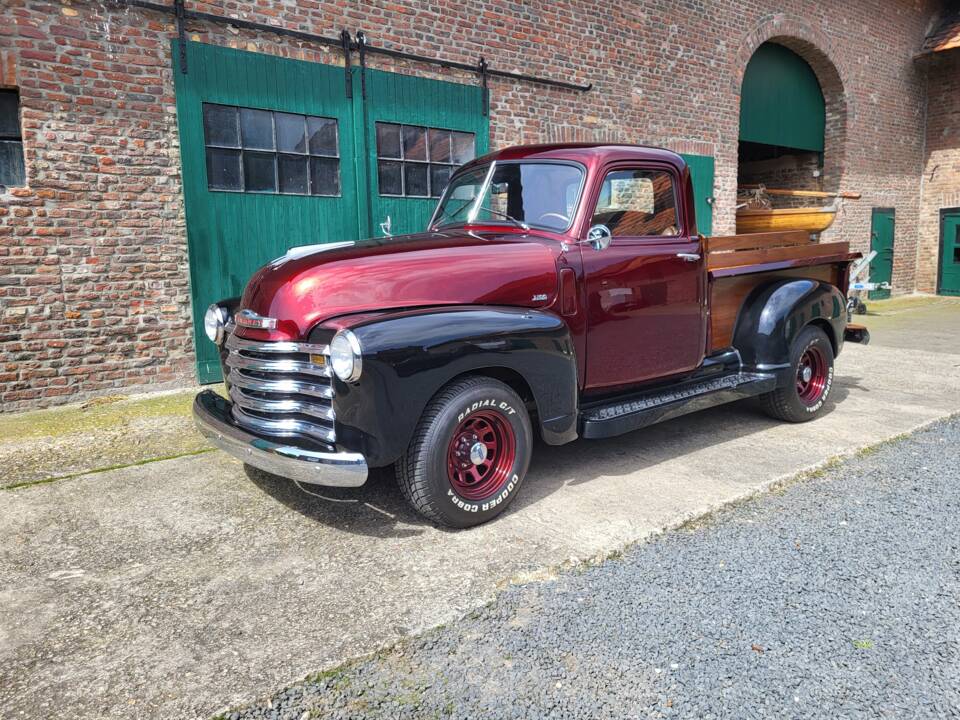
<point>701,173</point>
<point>275,155</point>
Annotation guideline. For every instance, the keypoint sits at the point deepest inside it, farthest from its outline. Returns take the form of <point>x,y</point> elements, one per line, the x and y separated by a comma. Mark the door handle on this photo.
<point>689,257</point>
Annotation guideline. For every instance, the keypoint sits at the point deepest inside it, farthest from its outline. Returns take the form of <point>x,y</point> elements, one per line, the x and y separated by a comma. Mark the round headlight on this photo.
<point>214,323</point>
<point>345,356</point>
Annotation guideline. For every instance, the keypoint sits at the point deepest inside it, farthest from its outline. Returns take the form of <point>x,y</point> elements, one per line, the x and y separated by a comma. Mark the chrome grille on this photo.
<point>277,391</point>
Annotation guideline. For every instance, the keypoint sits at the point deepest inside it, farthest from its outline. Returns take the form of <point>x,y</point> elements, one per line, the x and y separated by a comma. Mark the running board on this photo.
<point>642,410</point>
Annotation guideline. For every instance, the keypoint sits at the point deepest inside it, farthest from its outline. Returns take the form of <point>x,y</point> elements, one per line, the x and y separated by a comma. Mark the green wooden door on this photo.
<point>417,131</point>
<point>237,224</point>
<point>275,155</point>
<point>701,172</point>
<point>881,239</point>
<point>949,283</point>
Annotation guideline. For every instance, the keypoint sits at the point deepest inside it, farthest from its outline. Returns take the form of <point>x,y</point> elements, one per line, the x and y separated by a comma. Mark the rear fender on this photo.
<point>409,356</point>
<point>773,315</point>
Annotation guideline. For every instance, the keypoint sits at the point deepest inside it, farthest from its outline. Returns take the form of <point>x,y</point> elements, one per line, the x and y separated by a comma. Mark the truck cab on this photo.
<point>561,290</point>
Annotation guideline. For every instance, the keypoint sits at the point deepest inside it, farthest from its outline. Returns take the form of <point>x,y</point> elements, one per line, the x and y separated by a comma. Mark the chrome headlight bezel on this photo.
<point>346,356</point>
<point>215,323</point>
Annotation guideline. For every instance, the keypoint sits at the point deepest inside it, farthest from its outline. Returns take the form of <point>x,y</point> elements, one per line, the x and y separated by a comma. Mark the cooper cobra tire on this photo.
<point>811,361</point>
<point>469,453</point>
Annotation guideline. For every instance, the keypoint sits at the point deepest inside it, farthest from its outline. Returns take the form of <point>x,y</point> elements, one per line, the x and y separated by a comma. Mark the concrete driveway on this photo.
<point>177,588</point>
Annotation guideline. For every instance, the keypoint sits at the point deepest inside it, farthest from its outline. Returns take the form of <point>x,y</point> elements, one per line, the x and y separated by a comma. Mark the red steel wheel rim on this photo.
<point>812,374</point>
<point>488,434</point>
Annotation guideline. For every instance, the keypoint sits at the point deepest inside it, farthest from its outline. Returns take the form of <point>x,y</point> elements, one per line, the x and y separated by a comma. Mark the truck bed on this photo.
<point>736,264</point>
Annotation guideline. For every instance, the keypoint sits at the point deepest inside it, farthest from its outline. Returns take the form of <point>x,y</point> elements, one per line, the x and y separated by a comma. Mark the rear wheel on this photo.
<point>469,453</point>
<point>811,358</point>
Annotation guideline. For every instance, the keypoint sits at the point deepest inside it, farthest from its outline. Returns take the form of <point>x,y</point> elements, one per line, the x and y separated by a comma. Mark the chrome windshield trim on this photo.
<point>279,385</point>
<point>242,362</point>
<point>241,344</point>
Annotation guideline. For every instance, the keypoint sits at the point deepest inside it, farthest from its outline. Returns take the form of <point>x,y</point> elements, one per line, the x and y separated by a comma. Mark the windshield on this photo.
<point>538,194</point>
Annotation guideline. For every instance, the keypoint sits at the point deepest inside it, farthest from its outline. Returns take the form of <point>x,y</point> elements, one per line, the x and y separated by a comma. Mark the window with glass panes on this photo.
<point>12,173</point>
<point>414,161</point>
<point>266,151</point>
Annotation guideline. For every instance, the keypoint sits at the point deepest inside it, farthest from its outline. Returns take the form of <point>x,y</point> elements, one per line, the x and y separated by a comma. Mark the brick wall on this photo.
<point>94,289</point>
<point>941,170</point>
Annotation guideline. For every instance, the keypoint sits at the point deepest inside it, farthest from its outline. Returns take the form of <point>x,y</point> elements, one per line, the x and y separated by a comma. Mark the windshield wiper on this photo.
<point>519,223</point>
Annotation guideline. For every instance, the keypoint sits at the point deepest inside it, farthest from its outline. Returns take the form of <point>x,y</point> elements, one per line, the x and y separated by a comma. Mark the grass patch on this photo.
<point>98,414</point>
<point>145,461</point>
<point>863,644</point>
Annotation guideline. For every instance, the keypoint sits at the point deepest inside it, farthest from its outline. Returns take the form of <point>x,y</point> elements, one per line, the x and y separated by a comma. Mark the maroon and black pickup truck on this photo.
<point>561,290</point>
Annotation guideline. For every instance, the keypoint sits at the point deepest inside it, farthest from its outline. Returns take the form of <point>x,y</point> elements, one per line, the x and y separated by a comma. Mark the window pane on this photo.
<point>414,143</point>
<point>388,140</point>
<point>388,174</point>
<point>220,125</point>
<point>439,177</point>
<point>11,163</point>
<point>439,145</point>
<point>293,174</point>
<point>223,169</point>
<point>9,114</point>
<point>256,128</point>
<point>325,176</point>
<point>323,136</point>
<point>259,172</point>
<point>463,147</point>
<point>415,179</point>
<point>634,203</point>
<point>291,134</point>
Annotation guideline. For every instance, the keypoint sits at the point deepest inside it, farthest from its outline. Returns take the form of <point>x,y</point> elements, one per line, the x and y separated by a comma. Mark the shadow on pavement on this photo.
<point>378,509</point>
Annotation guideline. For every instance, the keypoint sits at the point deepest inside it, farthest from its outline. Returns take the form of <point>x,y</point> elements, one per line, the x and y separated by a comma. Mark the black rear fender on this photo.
<point>409,356</point>
<point>773,315</point>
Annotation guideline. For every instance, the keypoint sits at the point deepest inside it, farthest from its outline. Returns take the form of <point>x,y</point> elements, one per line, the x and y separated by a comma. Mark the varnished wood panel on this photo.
<point>757,241</point>
<point>727,295</point>
<point>716,261</point>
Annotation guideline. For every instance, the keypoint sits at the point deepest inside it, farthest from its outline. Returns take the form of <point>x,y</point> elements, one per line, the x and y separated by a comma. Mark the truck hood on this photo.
<point>316,283</point>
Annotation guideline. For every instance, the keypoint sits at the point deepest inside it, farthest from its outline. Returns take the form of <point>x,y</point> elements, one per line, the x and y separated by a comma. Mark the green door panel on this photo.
<point>231,234</point>
<point>701,171</point>
<point>409,100</point>
<point>881,239</point>
<point>781,102</point>
<point>949,281</point>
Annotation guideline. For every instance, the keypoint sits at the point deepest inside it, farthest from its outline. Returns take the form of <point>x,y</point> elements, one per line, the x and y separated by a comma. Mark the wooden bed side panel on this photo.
<point>717,261</point>
<point>727,295</point>
<point>757,241</point>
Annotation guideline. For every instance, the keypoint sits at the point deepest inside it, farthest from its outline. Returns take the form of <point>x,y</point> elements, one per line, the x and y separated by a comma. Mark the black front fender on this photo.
<point>408,357</point>
<point>773,315</point>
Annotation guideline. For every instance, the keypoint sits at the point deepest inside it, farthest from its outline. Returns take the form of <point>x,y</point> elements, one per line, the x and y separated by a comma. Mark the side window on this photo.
<point>635,203</point>
<point>414,161</point>
<point>11,143</point>
<point>266,151</point>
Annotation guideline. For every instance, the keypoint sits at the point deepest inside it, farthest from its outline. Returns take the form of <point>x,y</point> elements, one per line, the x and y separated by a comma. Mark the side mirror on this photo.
<point>599,237</point>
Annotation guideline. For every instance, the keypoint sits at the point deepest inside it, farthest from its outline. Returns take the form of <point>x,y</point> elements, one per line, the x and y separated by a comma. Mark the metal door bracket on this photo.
<point>347,45</point>
<point>181,34</point>
<point>485,94</point>
<point>361,46</point>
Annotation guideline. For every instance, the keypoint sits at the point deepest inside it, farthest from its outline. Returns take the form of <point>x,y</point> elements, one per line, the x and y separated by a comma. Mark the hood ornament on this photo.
<point>250,319</point>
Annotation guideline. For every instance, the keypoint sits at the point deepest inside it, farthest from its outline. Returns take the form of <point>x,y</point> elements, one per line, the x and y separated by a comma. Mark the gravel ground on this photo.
<point>838,596</point>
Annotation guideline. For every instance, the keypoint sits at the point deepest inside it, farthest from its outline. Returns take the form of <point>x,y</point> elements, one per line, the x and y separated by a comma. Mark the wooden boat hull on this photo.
<point>812,220</point>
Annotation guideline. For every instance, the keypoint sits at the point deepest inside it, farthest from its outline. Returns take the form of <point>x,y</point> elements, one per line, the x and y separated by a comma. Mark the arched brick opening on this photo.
<point>816,49</point>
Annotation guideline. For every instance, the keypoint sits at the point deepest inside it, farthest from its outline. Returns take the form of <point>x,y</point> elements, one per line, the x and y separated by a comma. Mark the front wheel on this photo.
<point>469,453</point>
<point>811,358</point>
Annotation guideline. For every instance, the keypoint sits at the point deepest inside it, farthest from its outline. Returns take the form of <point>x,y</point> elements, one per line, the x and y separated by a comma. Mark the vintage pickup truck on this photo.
<point>561,290</point>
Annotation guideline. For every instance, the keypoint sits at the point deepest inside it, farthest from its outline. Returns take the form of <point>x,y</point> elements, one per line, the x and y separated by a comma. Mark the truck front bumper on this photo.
<point>212,416</point>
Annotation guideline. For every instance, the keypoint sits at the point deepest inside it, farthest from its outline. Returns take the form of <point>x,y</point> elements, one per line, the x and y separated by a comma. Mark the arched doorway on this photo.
<point>782,124</point>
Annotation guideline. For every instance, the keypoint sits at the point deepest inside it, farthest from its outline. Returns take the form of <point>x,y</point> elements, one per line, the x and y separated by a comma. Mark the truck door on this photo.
<point>645,292</point>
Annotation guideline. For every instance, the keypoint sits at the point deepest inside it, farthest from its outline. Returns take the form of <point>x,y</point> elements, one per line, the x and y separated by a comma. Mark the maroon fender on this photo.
<point>311,285</point>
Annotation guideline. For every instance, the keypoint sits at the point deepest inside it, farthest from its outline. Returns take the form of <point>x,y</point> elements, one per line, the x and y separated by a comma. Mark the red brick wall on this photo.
<point>94,289</point>
<point>941,172</point>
